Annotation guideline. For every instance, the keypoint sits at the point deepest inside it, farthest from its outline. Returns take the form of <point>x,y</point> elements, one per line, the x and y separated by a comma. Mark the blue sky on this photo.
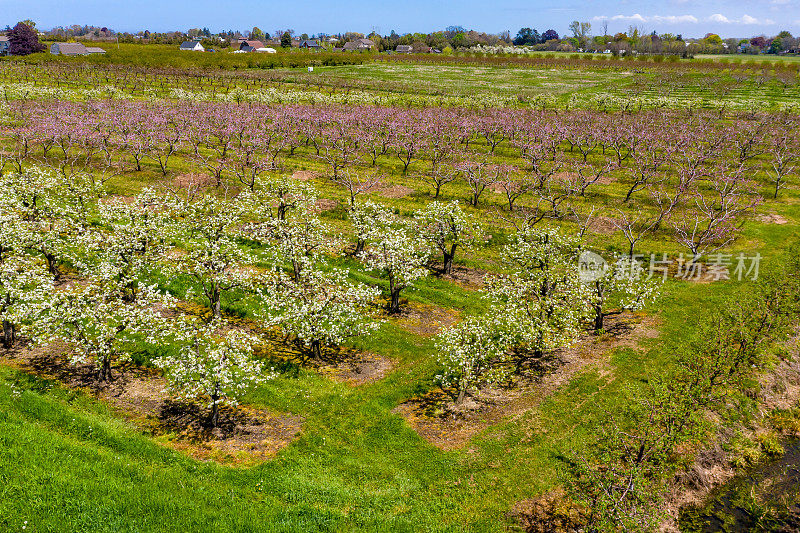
<point>692,18</point>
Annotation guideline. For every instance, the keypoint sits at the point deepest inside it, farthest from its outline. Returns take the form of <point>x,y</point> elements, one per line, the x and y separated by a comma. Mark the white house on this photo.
<point>192,46</point>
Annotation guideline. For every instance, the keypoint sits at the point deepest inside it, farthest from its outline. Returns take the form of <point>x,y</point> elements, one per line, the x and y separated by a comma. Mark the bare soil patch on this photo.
<point>326,204</point>
<point>772,218</point>
<point>358,369</point>
<point>393,191</point>
<point>469,278</point>
<point>425,320</point>
<point>340,363</point>
<point>305,175</point>
<point>243,437</point>
<point>602,225</point>
<point>438,420</point>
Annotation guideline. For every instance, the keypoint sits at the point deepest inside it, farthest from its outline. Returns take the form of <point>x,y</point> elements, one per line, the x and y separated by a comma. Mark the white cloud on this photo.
<point>717,18</point>
<point>675,19</point>
<point>658,19</point>
<point>745,19</point>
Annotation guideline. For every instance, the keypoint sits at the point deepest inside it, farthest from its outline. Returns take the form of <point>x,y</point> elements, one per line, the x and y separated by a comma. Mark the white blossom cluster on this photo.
<point>397,251</point>
<point>217,366</point>
<point>445,226</point>
<point>320,309</point>
<point>542,305</point>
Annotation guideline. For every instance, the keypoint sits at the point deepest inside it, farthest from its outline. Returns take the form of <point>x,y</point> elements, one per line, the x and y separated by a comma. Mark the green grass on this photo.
<point>69,463</point>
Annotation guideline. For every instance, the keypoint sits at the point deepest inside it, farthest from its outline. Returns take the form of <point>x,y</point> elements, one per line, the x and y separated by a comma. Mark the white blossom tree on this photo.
<point>50,212</point>
<point>542,301</point>
<point>447,227</point>
<point>211,255</point>
<point>211,366</point>
<point>97,318</point>
<point>273,198</point>
<point>298,240</point>
<point>24,288</point>
<point>399,255</point>
<point>471,353</point>
<point>131,240</point>
<point>368,218</point>
<point>623,285</point>
<point>320,309</point>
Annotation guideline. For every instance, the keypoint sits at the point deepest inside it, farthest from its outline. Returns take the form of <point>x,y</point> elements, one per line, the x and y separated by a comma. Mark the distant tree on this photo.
<point>286,40</point>
<point>549,35</point>
<point>524,36</point>
<point>256,34</point>
<point>581,31</point>
<point>23,40</point>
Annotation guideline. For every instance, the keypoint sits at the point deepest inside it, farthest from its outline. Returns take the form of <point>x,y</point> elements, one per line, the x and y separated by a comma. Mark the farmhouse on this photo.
<point>309,43</point>
<point>192,46</point>
<point>404,49</point>
<point>4,44</point>
<point>251,46</point>
<point>68,49</point>
<point>358,45</point>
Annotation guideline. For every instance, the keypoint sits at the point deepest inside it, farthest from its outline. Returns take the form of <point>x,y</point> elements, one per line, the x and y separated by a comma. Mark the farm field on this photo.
<point>356,299</point>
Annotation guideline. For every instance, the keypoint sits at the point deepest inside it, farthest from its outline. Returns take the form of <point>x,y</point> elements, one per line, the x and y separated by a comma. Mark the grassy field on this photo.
<point>545,80</point>
<point>71,461</point>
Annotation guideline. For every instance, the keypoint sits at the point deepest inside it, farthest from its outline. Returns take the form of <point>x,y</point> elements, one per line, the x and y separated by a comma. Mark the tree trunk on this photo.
<point>316,350</point>
<point>296,270</point>
<point>216,303</point>
<point>448,263</point>
<point>394,304</point>
<point>460,398</point>
<point>105,370</point>
<point>598,318</point>
<point>9,334</point>
<point>52,265</point>
<point>214,418</point>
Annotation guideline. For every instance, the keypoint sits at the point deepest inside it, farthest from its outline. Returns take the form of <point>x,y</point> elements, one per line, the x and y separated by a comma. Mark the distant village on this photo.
<point>79,40</point>
<point>244,45</point>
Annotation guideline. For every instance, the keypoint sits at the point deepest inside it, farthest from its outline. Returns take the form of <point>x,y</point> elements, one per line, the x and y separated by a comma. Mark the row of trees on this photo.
<point>694,178</point>
<point>635,40</point>
<point>122,249</point>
